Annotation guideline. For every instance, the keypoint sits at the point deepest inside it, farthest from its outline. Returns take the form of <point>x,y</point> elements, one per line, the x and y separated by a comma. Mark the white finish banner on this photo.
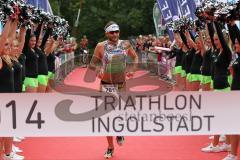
<point>101,114</point>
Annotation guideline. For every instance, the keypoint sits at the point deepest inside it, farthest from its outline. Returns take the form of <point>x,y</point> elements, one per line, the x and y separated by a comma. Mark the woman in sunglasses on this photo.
<point>110,60</point>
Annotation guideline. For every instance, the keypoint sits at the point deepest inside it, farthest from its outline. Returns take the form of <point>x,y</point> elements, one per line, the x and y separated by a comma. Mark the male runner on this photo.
<point>110,61</point>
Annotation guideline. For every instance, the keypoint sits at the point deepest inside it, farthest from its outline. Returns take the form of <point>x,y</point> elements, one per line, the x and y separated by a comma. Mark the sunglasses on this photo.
<point>112,32</point>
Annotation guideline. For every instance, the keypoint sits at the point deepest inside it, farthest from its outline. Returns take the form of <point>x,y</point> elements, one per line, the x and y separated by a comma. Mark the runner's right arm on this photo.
<point>97,57</point>
<point>94,68</point>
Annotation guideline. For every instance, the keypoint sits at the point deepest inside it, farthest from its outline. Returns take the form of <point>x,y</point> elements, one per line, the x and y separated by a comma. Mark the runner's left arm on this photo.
<point>131,52</point>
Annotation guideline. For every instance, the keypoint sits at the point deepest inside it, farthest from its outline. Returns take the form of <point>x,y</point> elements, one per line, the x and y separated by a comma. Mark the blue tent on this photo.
<point>43,4</point>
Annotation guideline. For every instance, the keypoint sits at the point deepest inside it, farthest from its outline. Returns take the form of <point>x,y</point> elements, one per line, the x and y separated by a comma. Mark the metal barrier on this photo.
<point>63,69</point>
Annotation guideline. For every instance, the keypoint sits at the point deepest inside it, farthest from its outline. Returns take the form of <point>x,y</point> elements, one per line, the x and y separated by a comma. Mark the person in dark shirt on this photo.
<point>31,63</point>
<point>178,53</point>
<point>220,80</point>
<point>189,58</point>
<point>42,60</point>
<point>195,69</point>
<point>7,77</point>
<point>235,86</point>
<point>206,66</point>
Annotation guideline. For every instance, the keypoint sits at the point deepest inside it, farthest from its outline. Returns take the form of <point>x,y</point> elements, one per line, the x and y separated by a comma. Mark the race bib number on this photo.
<point>109,88</point>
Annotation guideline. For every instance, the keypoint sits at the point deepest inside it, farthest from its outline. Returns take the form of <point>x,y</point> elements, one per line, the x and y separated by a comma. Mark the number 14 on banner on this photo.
<point>29,119</point>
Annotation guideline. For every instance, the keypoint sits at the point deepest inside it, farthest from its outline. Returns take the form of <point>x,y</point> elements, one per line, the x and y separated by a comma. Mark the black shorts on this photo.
<point>120,85</point>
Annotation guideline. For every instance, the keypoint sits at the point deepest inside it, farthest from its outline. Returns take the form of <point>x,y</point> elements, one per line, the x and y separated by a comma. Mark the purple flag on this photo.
<point>176,8</point>
<point>43,4</point>
<point>169,9</point>
<point>187,8</point>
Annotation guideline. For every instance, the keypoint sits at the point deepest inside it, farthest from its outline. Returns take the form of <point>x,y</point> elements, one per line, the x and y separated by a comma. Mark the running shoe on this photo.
<point>16,149</point>
<point>13,156</point>
<point>21,138</point>
<point>230,157</point>
<point>225,147</point>
<point>120,140</point>
<point>211,148</point>
<point>16,139</point>
<point>109,153</point>
<point>222,148</point>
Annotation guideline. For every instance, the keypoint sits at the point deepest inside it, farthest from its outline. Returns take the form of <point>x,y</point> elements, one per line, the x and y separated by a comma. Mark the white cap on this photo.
<point>113,27</point>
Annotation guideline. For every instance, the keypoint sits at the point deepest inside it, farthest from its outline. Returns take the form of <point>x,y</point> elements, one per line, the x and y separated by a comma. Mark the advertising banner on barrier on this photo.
<point>101,114</point>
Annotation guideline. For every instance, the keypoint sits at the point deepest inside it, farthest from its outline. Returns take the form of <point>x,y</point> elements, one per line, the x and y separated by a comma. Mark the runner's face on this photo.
<point>113,36</point>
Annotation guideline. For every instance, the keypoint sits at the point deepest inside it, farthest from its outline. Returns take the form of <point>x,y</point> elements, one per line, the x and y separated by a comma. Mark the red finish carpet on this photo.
<point>135,148</point>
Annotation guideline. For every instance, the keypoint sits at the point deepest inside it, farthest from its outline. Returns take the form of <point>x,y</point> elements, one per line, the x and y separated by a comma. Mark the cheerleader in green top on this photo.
<point>220,80</point>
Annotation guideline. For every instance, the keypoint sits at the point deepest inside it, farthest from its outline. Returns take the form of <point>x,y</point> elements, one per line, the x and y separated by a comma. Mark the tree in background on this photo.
<point>133,16</point>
